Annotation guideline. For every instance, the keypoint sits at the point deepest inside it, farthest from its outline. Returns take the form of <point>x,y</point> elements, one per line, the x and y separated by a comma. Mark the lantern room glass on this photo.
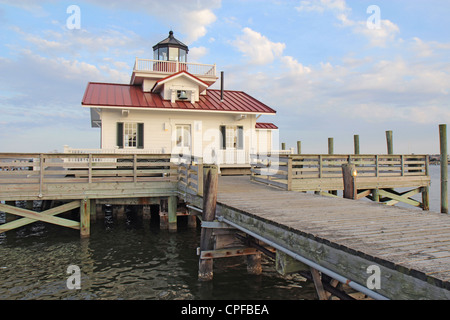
<point>170,54</point>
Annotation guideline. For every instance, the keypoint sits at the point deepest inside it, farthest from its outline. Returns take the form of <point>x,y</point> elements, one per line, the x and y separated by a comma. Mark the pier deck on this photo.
<point>410,247</point>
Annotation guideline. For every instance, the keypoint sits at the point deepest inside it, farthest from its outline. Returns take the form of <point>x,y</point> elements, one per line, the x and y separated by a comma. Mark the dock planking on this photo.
<point>412,247</point>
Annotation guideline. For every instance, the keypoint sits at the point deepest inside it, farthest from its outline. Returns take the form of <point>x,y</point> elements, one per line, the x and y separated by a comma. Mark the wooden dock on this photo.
<point>383,251</point>
<point>411,247</point>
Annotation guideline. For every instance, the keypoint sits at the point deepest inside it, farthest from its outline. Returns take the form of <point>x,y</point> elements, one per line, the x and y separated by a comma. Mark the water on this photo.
<point>129,260</point>
<point>135,260</point>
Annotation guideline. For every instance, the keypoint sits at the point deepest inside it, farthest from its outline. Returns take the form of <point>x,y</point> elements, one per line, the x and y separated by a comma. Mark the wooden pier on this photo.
<point>383,251</point>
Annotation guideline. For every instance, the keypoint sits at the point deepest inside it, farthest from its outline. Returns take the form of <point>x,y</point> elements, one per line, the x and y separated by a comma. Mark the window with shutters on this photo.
<point>232,137</point>
<point>130,135</point>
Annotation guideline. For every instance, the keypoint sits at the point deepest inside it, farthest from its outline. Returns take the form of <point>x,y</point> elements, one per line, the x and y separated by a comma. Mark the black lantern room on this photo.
<point>170,49</point>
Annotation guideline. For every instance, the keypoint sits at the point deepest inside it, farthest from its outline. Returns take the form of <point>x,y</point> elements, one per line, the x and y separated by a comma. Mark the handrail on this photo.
<point>161,66</point>
<point>283,171</point>
<point>37,171</point>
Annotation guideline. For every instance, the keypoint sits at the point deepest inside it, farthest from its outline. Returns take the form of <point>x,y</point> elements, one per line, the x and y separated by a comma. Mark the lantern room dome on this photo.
<point>170,49</point>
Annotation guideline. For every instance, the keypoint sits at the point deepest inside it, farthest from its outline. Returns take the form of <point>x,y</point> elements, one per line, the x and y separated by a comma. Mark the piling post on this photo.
<point>444,168</point>
<point>210,183</point>
<point>85,221</point>
<point>349,176</point>
<point>330,146</point>
<point>172,208</point>
<point>356,143</point>
<point>390,142</point>
<point>299,147</point>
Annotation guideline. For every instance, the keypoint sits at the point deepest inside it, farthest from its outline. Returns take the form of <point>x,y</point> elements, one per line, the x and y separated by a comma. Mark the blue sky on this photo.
<point>316,62</point>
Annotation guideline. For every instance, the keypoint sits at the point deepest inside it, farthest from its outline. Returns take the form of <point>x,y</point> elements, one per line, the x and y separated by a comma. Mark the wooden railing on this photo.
<point>190,175</point>
<point>301,172</point>
<point>27,173</point>
<point>174,66</point>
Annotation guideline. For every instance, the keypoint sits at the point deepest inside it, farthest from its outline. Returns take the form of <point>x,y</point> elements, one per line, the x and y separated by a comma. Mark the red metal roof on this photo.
<point>128,96</point>
<point>262,125</point>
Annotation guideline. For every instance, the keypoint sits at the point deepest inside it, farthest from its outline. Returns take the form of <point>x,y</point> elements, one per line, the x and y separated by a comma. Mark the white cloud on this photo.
<point>294,66</point>
<point>378,37</point>
<point>322,5</point>
<point>191,18</point>
<point>258,48</point>
<point>196,53</point>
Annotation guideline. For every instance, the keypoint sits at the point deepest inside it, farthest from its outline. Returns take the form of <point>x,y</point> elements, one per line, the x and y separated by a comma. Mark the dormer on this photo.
<point>170,57</point>
<point>181,86</point>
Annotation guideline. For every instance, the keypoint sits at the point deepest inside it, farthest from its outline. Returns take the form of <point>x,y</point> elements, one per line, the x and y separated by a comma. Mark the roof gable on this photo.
<point>181,74</point>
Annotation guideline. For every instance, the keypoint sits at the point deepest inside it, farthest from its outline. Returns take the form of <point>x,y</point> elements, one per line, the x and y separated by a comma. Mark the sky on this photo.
<point>330,68</point>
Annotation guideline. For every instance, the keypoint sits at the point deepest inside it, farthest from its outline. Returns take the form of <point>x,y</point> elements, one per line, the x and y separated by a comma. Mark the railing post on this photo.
<point>444,168</point>
<point>200,177</point>
<point>41,174</point>
<point>90,169</point>
<point>289,180</point>
<point>135,168</point>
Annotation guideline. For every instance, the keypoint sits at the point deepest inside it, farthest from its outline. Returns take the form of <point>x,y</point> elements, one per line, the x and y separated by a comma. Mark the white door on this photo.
<point>183,140</point>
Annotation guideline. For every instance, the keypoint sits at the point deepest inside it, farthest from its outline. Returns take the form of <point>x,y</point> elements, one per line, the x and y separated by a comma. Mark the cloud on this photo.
<point>257,48</point>
<point>322,5</point>
<point>377,37</point>
<point>196,53</point>
<point>191,18</point>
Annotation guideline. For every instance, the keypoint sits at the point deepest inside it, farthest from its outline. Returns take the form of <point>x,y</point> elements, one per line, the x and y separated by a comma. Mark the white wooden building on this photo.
<point>169,108</point>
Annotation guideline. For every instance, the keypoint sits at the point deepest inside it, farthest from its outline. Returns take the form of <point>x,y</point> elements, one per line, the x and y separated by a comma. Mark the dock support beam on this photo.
<point>85,221</point>
<point>210,183</point>
<point>172,208</point>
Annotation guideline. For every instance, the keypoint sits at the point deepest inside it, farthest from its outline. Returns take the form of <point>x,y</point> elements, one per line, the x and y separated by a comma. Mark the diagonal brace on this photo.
<point>45,216</point>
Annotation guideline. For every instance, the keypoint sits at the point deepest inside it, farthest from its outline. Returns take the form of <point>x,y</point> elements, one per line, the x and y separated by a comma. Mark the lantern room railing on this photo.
<point>160,66</point>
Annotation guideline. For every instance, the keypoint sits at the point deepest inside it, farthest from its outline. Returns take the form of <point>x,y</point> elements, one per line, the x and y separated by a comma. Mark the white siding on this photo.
<point>160,130</point>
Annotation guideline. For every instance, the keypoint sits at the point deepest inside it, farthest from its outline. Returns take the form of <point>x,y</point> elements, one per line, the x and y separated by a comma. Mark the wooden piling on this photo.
<point>356,143</point>
<point>349,176</point>
<point>390,142</point>
<point>444,168</point>
<point>172,208</point>
<point>210,184</point>
<point>330,146</point>
<point>85,225</point>
<point>299,147</point>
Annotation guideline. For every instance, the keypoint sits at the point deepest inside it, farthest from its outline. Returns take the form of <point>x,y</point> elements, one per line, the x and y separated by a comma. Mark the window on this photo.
<point>162,54</point>
<point>232,137</point>
<point>182,57</point>
<point>130,135</point>
<point>173,54</point>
